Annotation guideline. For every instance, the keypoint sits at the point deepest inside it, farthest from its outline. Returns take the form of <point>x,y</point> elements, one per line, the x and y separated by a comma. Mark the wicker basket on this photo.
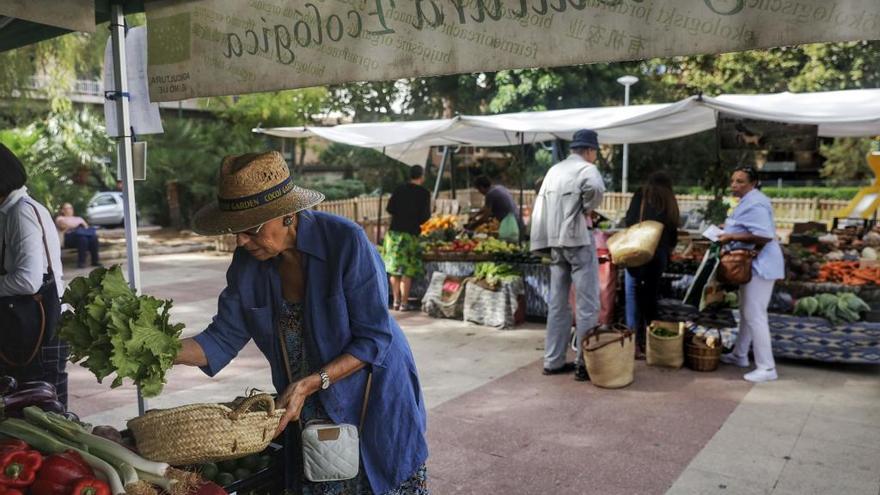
<point>200,433</point>
<point>610,357</point>
<point>701,357</point>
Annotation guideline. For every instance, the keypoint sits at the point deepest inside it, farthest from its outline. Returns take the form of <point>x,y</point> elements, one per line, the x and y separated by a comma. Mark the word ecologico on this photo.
<point>315,28</point>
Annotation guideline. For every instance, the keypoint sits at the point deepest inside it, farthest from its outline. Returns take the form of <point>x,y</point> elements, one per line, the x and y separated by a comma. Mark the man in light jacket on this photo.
<point>571,190</point>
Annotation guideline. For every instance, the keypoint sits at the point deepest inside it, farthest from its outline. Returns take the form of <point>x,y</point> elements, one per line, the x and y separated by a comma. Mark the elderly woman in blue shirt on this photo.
<point>752,225</point>
<point>310,290</point>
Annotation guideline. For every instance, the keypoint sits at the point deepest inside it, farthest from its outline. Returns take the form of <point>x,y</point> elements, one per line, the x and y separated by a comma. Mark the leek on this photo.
<point>48,444</point>
<point>110,451</point>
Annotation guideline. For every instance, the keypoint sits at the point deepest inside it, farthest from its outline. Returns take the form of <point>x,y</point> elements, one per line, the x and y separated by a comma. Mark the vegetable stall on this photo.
<point>47,450</point>
<point>826,309</point>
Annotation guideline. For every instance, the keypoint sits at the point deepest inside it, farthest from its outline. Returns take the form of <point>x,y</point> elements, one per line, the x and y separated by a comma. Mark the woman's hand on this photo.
<point>293,398</point>
<point>725,238</point>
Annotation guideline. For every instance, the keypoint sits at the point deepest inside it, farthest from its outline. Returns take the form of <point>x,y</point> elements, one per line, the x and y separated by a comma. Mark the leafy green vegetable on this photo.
<point>837,308</point>
<point>116,331</point>
<point>495,273</point>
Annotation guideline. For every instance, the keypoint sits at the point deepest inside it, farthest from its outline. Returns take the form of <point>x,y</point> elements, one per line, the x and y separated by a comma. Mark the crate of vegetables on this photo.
<point>255,473</point>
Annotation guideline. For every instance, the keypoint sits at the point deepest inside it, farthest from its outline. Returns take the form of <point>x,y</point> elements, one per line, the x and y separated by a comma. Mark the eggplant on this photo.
<point>8,385</point>
<point>35,385</point>
<point>12,404</point>
<point>54,406</point>
<point>72,416</point>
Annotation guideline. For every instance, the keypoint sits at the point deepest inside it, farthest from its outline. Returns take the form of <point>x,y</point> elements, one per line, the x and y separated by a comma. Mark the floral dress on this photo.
<point>301,365</point>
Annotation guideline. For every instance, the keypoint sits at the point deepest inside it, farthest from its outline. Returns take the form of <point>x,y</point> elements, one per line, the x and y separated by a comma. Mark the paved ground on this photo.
<point>496,425</point>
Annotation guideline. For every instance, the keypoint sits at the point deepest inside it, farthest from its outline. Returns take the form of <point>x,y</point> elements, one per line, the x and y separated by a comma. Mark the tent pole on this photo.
<point>522,182</point>
<point>440,172</point>
<point>124,154</point>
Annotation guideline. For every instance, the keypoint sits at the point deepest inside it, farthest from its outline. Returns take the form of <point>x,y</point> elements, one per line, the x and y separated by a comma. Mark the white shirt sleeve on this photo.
<point>24,248</point>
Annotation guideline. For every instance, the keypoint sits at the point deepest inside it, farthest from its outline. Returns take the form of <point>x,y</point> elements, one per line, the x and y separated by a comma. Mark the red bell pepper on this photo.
<point>60,472</point>
<point>91,486</point>
<point>19,468</point>
<point>12,444</point>
<point>9,491</point>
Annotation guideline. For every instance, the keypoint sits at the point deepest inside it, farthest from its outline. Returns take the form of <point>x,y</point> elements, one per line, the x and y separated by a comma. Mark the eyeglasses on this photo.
<point>252,232</point>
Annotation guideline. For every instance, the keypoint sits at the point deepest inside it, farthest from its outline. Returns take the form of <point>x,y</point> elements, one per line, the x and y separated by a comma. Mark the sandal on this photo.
<point>395,307</point>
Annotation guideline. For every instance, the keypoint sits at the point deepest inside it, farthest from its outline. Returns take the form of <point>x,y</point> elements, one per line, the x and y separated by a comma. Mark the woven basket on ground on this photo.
<point>609,354</point>
<point>200,433</point>
<point>663,350</point>
<point>699,356</point>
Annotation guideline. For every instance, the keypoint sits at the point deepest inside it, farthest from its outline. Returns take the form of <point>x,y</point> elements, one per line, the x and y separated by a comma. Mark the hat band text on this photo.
<point>260,199</point>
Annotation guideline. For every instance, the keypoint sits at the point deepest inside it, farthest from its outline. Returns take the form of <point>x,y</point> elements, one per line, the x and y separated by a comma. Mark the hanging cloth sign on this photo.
<point>223,47</point>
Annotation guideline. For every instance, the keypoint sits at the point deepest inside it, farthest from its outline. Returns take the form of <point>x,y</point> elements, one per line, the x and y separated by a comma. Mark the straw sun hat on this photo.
<point>254,188</point>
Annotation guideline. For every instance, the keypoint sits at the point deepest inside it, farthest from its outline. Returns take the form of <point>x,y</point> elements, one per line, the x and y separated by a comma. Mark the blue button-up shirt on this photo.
<point>346,312</point>
<point>754,214</point>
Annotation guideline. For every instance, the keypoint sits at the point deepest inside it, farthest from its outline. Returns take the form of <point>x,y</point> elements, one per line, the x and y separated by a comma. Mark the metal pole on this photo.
<point>522,184</point>
<point>124,155</point>
<point>452,177</point>
<point>625,182</point>
<point>440,172</point>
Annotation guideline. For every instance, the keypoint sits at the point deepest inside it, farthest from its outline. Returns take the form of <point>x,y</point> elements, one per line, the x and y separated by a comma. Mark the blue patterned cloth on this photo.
<point>297,343</point>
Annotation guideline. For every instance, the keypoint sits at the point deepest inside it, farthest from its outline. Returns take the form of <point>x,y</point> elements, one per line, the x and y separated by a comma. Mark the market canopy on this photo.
<point>226,47</point>
<point>23,22</point>
<point>835,113</point>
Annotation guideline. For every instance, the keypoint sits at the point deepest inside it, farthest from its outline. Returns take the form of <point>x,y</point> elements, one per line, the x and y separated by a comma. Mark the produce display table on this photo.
<point>536,278</point>
<point>793,336</point>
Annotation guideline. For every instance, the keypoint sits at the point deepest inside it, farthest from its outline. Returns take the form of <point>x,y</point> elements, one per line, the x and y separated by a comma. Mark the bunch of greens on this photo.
<point>115,330</point>
<point>837,308</point>
<point>495,273</point>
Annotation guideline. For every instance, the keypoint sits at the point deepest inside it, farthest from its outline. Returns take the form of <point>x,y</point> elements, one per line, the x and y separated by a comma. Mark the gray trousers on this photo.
<point>578,265</point>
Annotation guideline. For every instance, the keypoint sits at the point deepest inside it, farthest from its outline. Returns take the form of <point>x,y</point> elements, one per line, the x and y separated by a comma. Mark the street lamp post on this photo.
<point>626,81</point>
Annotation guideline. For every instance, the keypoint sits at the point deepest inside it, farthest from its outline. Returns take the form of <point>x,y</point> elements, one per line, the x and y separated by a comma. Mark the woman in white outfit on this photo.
<point>752,226</point>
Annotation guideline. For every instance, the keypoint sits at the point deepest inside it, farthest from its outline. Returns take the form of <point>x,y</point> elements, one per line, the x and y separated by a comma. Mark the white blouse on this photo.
<point>25,260</point>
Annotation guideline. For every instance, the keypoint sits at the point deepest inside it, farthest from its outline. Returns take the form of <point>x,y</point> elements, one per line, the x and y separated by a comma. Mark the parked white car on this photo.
<point>106,209</point>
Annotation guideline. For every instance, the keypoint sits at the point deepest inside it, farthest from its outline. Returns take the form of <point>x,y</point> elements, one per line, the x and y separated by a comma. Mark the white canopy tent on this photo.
<point>836,113</point>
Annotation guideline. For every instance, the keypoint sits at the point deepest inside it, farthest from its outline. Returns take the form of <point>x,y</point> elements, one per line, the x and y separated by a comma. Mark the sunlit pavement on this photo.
<point>496,425</point>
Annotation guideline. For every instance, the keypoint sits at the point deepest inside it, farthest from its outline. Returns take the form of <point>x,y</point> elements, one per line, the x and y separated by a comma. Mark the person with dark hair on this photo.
<point>30,264</point>
<point>752,226</point>
<point>409,207</point>
<point>561,226</point>
<point>78,234</point>
<point>655,201</point>
<point>499,204</point>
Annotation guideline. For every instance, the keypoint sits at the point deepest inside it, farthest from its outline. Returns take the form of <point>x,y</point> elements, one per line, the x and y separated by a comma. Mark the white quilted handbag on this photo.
<point>330,451</point>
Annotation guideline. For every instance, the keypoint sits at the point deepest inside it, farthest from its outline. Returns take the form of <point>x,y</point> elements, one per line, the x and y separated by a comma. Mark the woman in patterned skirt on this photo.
<point>410,207</point>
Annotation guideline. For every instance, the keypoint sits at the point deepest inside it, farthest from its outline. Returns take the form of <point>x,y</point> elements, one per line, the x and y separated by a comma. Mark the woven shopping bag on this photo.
<point>609,353</point>
<point>198,433</point>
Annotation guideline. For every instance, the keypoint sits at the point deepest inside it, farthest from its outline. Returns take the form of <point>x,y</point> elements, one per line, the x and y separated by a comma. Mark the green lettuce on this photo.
<point>113,330</point>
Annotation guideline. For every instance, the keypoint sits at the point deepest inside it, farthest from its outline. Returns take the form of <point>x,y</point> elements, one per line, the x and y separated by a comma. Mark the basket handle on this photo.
<point>625,333</point>
<point>249,402</point>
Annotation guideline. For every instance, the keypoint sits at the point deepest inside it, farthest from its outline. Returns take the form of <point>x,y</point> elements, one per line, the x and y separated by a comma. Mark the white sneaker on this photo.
<point>730,358</point>
<point>760,376</point>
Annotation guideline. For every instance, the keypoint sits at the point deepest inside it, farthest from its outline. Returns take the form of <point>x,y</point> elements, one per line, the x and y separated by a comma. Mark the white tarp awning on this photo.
<point>836,113</point>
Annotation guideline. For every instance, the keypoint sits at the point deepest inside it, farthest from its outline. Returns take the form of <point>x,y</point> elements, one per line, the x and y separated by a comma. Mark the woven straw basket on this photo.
<point>665,351</point>
<point>610,357</point>
<point>200,433</point>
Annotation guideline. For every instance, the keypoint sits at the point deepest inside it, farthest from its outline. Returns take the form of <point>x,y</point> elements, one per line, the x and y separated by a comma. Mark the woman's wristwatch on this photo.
<point>325,379</point>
